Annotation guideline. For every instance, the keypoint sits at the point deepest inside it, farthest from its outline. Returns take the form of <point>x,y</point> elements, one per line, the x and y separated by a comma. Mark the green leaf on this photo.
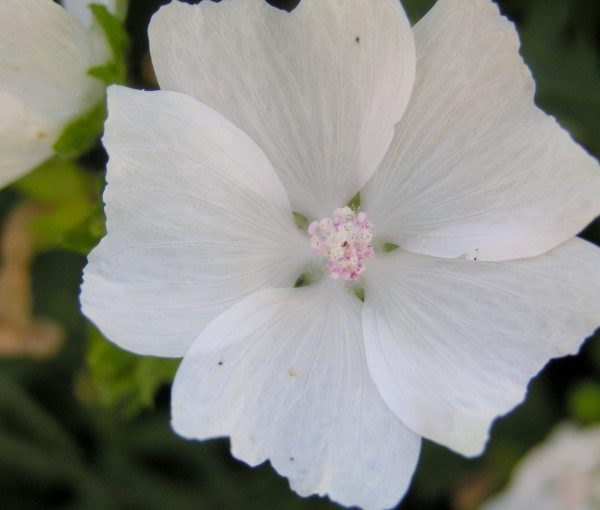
<point>87,234</point>
<point>564,63</point>
<point>584,403</point>
<point>121,9</point>
<point>32,421</point>
<point>114,30</point>
<point>123,381</point>
<point>66,195</point>
<point>81,133</point>
<point>108,73</point>
<point>52,181</point>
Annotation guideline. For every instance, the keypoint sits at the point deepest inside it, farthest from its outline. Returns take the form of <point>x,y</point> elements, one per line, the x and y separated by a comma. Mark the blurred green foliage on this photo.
<point>560,44</point>
<point>83,237</point>
<point>82,133</point>
<point>84,430</point>
<point>584,402</point>
<point>124,381</point>
<point>67,195</point>
<point>115,71</point>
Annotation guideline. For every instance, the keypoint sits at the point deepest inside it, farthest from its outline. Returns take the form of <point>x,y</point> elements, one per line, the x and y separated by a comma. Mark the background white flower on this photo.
<point>563,473</point>
<point>45,54</point>
<point>264,113</point>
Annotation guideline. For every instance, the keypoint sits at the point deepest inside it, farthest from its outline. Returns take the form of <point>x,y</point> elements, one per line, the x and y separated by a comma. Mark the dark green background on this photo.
<point>57,452</point>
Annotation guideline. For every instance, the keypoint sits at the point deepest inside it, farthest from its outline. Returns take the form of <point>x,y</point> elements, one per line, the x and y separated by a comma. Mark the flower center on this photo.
<point>344,240</point>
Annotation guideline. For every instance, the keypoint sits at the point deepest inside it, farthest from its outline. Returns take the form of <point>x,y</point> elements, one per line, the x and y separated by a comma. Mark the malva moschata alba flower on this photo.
<point>563,473</point>
<point>265,113</point>
<point>45,55</point>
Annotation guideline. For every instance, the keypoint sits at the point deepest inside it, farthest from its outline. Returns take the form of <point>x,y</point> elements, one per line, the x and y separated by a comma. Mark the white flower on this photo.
<point>563,473</point>
<point>263,113</point>
<point>45,54</point>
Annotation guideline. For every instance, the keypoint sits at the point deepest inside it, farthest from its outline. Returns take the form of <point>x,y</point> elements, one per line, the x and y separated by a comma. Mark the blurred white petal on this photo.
<point>563,473</point>
<point>26,138</point>
<point>45,54</point>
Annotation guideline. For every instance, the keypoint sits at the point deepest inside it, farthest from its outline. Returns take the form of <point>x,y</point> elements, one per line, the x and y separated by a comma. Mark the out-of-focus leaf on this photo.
<point>113,28</point>
<point>584,403</point>
<point>86,235</point>
<point>22,414</point>
<point>112,25</point>
<point>565,64</point>
<point>121,9</point>
<point>81,133</point>
<point>595,351</point>
<point>122,380</point>
<point>52,182</point>
<point>66,195</point>
<point>108,73</point>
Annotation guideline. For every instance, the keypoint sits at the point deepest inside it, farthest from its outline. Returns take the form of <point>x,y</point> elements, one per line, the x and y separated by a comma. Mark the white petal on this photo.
<point>284,374</point>
<point>474,164</point>
<point>44,57</point>
<point>452,343</point>
<point>196,220</point>
<point>318,89</point>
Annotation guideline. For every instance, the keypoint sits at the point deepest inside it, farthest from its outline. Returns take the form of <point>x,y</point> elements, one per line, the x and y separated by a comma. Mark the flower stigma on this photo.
<point>345,241</point>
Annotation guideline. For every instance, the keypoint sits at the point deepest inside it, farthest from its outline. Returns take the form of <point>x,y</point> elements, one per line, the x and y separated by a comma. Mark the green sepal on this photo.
<point>301,221</point>
<point>354,204</point>
<point>359,292</point>
<point>304,280</point>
